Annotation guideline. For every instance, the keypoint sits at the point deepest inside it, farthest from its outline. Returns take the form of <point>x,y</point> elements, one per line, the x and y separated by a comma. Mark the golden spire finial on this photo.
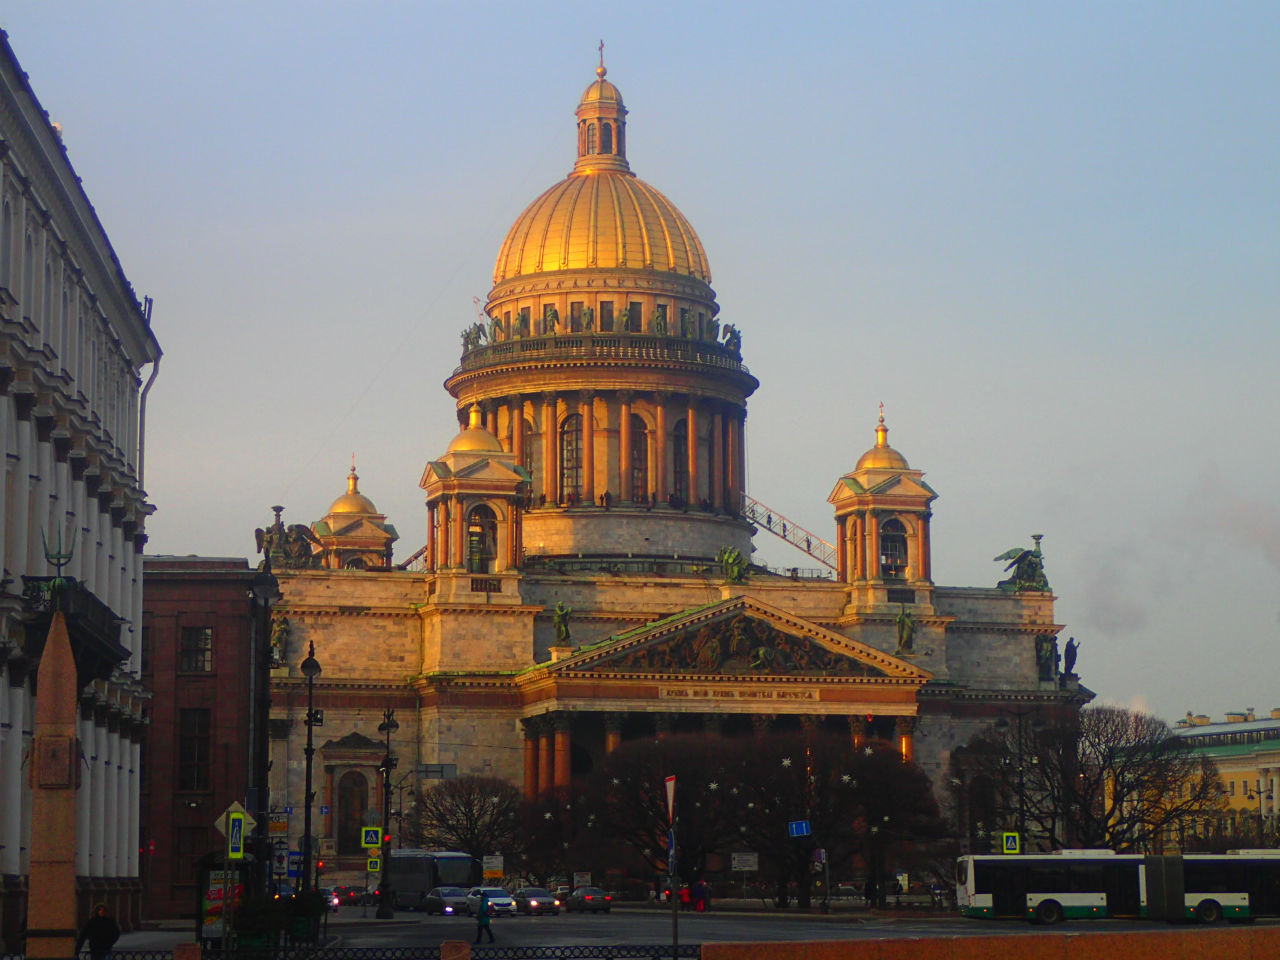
<point>600,70</point>
<point>882,432</point>
<point>352,479</point>
<point>474,423</point>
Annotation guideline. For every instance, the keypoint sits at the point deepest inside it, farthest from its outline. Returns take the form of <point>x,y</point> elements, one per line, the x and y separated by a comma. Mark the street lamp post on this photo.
<point>264,591</point>
<point>1257,794</point>
<point>1020,715</point>
<point>386,902</point>
<point>310,668</point>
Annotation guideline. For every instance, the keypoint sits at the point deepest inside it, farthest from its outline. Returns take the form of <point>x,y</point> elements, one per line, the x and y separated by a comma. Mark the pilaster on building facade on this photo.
<point>74,340</point>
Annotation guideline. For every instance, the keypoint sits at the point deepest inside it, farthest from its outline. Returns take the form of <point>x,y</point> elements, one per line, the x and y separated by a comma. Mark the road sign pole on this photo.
<point>671,868</point>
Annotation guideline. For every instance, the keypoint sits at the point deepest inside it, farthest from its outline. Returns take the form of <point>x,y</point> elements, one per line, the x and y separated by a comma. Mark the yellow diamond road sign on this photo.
<point>374,865</point>
<point>223,821</point>
<point>370,837</point>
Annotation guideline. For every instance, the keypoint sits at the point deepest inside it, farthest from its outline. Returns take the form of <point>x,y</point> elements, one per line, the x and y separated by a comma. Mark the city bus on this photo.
<point>412,874</point>
<point>1075,884</point>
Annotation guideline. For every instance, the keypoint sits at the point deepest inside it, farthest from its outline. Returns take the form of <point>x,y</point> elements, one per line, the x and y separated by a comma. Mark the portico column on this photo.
<point>660,419</point>
<point>562,751</point>
<point>491,418</point>
<point>858,537</point>
<point>612,732</point>
<point>586,409</point>
<point>691,422</point>
<point>431,538</point>
<point>842,548</point>
<point>530,759</point>
<point>625,493</point>
<point>716,480</point>
<point>857,731</point>
<point>546,756</point>
<point>905,728</point>
<point>516,422</point>
<point>509,554</point>
<point>459,532</point>
<point>760,723</point>
<point>741,453</point>
<point>550,478</point>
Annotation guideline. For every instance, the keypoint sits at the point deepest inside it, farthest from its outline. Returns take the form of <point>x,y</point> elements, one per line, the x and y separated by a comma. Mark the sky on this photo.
<point>1046,236</point>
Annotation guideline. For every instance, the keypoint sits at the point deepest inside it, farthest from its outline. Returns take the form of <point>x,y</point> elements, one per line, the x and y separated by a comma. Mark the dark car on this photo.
<point>535,900</point>
<point>348,895</point>
<point>331,900</point>
<point>588,898</point>
<point>446,901</point>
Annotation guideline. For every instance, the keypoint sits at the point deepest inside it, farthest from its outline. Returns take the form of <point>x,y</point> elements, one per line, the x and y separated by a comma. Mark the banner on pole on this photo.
<point>671,799</point>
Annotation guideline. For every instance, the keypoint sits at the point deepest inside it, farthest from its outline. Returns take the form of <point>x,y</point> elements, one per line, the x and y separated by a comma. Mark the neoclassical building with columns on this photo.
<point>74,340</point>
<point>584,578</point>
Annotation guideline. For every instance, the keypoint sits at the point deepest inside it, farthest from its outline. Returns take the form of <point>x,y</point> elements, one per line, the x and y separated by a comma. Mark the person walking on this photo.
<point>102,933</point>
<point>482,918</point>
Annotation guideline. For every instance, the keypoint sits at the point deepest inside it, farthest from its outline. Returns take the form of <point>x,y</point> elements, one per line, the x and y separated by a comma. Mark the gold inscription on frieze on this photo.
<point>696,693</point>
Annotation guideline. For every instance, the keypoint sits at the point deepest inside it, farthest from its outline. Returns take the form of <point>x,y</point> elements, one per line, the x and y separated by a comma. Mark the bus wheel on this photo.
<point>1049,912</point>
<point>1208,911</point>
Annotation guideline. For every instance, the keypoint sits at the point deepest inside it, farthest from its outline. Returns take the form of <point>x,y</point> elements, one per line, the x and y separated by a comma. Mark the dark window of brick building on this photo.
<point>195,650</point>
<point>190,844</point>
<point>193,749</point>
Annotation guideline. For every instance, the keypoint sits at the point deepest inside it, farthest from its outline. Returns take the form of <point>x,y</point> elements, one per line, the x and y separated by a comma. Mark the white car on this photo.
<point>500,902</point>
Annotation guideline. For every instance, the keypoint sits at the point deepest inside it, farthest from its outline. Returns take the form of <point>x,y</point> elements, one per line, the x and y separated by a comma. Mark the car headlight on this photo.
<point>557,903</point>
<point>448,909</point>
<point>533,903</point>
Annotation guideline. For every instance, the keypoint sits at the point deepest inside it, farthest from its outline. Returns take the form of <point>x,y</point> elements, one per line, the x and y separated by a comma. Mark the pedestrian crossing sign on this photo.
<point>1011,842</point>
<point>370,836</point>
<point>374,865</point>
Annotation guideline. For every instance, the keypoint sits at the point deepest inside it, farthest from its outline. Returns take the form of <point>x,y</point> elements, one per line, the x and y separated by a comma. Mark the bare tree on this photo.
<point>477,815</point>
<point>1105,777</point>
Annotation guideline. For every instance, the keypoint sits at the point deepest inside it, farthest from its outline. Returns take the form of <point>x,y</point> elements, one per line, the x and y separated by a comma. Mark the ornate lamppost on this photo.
<point>310,668</point>
<point>386,902</point>
<point>1003,724</point>
<point>1258,794</point>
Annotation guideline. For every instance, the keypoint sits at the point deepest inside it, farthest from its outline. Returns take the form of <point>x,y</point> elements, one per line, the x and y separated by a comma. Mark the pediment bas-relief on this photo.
<point>739,646</point>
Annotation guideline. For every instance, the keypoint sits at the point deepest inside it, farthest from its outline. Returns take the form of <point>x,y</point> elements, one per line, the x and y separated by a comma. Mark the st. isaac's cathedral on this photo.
<point>586,579</point>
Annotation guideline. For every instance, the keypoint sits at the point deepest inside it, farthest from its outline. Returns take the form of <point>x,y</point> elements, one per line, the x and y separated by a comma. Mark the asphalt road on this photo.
<point>629,925</point>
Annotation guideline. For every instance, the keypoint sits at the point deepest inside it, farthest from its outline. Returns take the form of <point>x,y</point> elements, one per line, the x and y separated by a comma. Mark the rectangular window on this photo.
<point>606,316</point>
<point>575,316</point>
<point>193,749</point>
<point>189,845</point>
<point>1231,788</point>
<point>634,317</point>
<point>195,650</point>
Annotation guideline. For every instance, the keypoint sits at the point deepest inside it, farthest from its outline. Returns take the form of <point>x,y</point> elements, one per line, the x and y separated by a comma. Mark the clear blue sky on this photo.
<point>1047,236</point>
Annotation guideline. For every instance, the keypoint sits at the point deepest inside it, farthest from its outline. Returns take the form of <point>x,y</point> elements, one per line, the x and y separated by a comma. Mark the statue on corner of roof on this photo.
<point>562,615</point>
<point>1027,566</point>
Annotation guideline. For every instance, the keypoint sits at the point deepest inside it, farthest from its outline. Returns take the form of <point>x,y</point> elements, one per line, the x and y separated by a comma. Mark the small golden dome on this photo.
<point>353,501</point>
<point>602,91</point>
<point>474,438</point>
<point>882,456</point>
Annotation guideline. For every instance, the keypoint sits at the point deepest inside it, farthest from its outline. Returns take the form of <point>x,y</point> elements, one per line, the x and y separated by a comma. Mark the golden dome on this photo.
<point>882,456</point>
<point>474,438</point>
<point>601,216</point>
<point>353,501</point>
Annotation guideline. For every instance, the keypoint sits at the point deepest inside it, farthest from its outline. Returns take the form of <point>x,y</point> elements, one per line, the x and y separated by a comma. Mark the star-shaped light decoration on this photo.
<point>786,761</point>
<point>713,786</point>
<point>868,751</point>
<point>616,782</point>
<point>845,778</point>
<point>547,815</point>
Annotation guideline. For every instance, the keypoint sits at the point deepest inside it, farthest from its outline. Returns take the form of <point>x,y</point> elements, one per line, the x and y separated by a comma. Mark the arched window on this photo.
<point>606,138</point>
<point>353,801</point>
<point>591,138</point>
<point>680,464</point>
<point>893,550</point>
<point>571,458</point>
<point>639,458</point>
<point>482,539</point>
<point>355,563</point>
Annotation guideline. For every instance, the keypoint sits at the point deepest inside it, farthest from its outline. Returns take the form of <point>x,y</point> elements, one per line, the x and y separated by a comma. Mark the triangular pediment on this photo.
<point>739,638</point>
<point>354,742</point>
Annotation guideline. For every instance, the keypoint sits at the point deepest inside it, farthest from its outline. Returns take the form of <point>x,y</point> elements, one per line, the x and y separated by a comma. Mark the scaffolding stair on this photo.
<point>769,519</point>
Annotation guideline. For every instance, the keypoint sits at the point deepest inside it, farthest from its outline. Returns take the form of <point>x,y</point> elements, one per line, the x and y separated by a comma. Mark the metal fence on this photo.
<point>646,951</point>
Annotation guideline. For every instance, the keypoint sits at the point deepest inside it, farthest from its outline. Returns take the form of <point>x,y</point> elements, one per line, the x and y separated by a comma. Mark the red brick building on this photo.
<point>205,662</point>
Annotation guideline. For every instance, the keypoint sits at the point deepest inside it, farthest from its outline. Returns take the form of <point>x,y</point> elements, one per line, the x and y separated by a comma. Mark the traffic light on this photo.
<point>319,867</point>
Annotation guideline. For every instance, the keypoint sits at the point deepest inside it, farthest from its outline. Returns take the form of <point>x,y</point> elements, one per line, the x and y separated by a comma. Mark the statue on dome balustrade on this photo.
<point>550,320</point>
<point>495,329</point>
<point>732,339</point>
<point>473,336</point>
<point>588,320</point>
<point>713,330</point>
<point>659,323</point>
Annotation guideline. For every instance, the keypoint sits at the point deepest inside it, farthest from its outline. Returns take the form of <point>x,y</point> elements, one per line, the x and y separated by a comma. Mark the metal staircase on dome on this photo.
<point>769,519</point>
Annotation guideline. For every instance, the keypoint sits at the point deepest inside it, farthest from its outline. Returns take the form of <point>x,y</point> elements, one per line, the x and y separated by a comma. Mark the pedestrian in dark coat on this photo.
<point>102,933</point>
<point>482,918</point>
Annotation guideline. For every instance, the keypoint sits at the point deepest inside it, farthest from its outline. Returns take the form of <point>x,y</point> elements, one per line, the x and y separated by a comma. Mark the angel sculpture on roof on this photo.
<point>1027,566</point>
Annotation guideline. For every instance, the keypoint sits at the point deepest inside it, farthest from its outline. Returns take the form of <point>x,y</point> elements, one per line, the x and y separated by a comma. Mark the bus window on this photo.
<point>962,872</point>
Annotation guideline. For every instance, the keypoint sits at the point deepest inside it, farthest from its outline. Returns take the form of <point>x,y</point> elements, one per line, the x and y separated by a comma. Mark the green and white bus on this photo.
<point>1076,884</point>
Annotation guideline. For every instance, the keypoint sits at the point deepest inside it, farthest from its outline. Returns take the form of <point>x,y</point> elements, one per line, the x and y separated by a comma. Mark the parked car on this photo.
<point>500,902</point>
<point>536,900</point>
<point>331,900</point>
<point>588,898</point>
<point>446,901</point>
